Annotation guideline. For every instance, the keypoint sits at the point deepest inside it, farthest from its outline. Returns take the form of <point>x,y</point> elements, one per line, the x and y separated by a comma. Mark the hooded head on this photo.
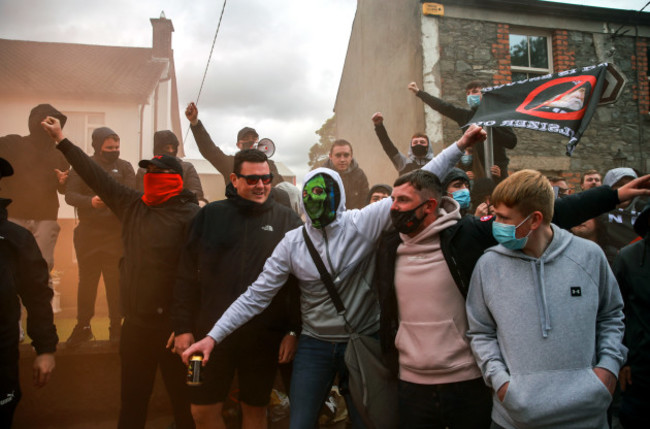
<point>101,134</point>
<point>460,187</point>
<point>420,152</point>
<point>323,198</point>
<point>615,174</point>
<point>37,115</point>
<point>165,142</point>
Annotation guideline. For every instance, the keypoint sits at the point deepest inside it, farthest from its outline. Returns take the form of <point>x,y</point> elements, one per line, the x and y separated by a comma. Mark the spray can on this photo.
<point>194,377</point>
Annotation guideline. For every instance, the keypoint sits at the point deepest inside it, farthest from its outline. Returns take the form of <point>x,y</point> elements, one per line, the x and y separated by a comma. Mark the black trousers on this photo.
<point>461,405</point>
<point>142,352</point>
<point>97,254</point>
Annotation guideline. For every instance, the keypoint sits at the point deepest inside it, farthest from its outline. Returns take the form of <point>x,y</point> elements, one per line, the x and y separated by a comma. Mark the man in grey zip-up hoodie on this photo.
<point>346,243</point>
<point>545,316</point>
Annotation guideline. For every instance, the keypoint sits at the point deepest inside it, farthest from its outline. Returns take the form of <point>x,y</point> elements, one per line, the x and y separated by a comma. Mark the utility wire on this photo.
<point>205,73</point>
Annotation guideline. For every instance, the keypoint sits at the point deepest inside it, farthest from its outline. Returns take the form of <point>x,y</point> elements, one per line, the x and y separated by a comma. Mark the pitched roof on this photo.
<point>70,70</point>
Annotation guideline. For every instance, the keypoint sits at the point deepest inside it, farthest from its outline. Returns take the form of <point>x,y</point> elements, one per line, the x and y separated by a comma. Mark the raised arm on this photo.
<point>209,150</point>
<point>458,114</point>
<point>398,160</point>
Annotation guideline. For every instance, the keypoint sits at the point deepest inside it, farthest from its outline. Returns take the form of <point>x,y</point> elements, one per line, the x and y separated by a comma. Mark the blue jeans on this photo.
<point>316,364</point>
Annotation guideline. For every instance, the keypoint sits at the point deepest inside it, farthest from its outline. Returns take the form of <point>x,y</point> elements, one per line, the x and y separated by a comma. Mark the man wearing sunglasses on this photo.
<point>228,244</point>
<point>346,241</point>
<point>153,226</point>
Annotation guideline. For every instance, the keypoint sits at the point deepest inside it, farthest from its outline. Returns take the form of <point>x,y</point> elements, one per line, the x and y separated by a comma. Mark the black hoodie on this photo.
<point>33,186</point>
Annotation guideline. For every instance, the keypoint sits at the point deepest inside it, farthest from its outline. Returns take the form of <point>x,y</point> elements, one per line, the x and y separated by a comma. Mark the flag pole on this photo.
<point>488,153</point>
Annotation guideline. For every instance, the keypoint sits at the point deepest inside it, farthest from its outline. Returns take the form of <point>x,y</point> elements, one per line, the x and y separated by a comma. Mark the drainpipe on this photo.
<point>141,128</point>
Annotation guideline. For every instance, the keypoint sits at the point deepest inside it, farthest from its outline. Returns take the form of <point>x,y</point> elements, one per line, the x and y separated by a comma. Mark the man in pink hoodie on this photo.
<point>422,278</point>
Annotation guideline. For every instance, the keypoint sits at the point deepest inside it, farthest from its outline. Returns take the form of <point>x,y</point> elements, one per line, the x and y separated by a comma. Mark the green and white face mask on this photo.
<point>320,200</point>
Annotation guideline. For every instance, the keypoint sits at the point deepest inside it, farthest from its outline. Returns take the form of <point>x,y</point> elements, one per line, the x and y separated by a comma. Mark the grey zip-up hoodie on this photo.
<point>543,325</point>
<point>346,247</point>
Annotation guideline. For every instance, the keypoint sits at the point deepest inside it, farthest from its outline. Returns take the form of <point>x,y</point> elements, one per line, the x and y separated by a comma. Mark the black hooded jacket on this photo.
<point>152,237</point>
<point>226,248</point>
<point>23,273</point>
<point>33,187</point>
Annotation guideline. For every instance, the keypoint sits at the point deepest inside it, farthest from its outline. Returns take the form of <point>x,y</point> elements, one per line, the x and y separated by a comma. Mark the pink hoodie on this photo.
<point>431,341</point>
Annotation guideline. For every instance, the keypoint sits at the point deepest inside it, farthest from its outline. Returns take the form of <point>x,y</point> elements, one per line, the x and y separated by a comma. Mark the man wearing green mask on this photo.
<point>320,205</point>
<point>345,240</point>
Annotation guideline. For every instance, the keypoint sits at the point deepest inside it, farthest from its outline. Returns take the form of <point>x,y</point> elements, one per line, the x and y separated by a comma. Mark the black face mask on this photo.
<point>406,222</point>
<point>110,156</point>
<point>419,150</point>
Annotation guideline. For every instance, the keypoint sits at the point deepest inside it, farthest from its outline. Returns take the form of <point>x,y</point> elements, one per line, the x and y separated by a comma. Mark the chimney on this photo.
<point>162,37</point>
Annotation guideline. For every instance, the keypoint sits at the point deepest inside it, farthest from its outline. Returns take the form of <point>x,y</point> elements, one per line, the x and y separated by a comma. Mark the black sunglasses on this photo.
<point>252,179</point>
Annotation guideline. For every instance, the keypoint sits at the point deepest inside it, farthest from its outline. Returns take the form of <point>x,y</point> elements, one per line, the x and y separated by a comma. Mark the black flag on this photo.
<point>560,103</point>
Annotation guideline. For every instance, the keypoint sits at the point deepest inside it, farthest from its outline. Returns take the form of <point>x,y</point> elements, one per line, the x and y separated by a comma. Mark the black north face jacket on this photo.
<point>226,248</point>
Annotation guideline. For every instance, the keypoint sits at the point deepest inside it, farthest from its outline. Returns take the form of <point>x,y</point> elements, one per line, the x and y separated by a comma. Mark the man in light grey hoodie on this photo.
<point>346,241</point>
<point>545,316</point>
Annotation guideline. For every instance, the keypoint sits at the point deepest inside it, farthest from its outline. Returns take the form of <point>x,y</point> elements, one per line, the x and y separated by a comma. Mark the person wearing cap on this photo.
<point>341,159</point>
<point>420,151</point>
<point>619,222</point>
<point>154,224</point>
<point>166,142</point>
<point>227,246</point>
<point>632,270</point>
<point>246,138</point>
<point>378,192</point>
<point>97,238</point>
<point>23,277</point>
<point>40,171</point>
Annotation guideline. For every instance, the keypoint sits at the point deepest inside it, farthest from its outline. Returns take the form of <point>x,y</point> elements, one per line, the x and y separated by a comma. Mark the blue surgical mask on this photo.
<point>474,100</point>
<point>462,197</point>
<point>466,159</point>
<point>506,235</point>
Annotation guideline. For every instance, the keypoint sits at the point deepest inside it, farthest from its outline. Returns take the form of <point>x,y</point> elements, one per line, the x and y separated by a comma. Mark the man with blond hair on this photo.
<point>545,315</point>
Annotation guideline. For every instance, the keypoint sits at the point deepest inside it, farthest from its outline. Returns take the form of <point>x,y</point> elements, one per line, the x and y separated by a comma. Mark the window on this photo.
<point>80,126</point>
<point>530,54</point>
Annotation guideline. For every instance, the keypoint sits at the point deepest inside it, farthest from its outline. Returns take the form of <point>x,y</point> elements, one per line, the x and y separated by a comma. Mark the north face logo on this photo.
<point>267,228</point>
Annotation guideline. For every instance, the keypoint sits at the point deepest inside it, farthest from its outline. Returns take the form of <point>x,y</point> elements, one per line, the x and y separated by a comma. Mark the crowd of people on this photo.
<point>500,299</point>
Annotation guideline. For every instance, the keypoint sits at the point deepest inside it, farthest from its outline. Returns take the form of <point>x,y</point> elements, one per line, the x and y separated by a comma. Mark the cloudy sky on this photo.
<point>276,64</point>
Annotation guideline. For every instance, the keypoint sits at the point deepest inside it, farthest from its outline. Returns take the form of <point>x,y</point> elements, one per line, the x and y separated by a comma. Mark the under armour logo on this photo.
<point>576,291</point>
